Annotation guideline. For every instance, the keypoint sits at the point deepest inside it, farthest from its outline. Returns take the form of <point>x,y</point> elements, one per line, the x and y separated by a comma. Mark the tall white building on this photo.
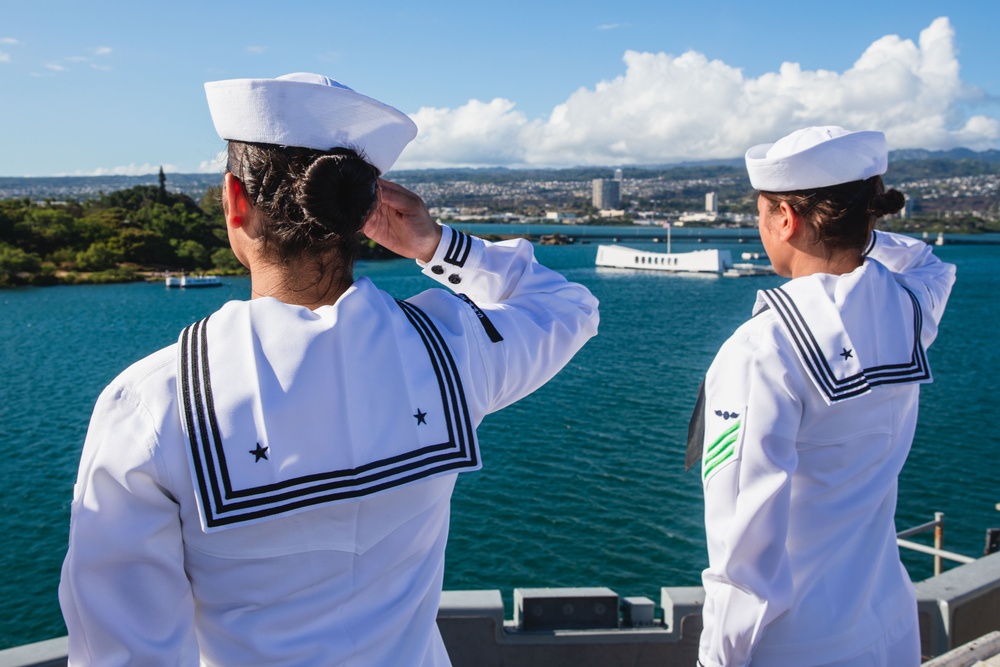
<point>618,175</point>
<point>711,203</point>
<point>607,194</point>
<point>907,210</point>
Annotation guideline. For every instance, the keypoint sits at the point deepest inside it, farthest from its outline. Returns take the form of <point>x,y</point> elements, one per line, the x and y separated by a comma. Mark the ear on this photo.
<point>234,201</point>
<point>788,222</point>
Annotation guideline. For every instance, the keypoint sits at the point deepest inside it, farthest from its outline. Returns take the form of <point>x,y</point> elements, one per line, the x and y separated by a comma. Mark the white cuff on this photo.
<point>456,256</point>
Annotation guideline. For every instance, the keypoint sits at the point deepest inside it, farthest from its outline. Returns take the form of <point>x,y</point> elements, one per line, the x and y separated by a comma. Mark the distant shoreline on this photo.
<point>566,236</point>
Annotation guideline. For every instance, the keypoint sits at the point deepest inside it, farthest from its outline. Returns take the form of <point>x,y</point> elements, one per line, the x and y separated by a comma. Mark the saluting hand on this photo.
<point>402,224</point>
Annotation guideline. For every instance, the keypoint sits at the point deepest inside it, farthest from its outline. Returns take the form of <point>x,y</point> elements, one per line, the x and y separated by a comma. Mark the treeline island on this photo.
<point>127,235</point>
<point>52,234</point>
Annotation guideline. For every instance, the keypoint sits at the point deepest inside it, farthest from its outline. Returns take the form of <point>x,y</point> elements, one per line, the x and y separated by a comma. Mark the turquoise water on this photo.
<point>583,484</point>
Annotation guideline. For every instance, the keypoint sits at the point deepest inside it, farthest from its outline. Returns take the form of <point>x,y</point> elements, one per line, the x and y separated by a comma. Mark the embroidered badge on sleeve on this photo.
<point>722,449</point>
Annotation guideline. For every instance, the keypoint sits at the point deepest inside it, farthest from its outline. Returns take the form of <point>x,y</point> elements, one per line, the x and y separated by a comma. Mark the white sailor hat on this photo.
<point>309,111</point>
<point>817,157</point>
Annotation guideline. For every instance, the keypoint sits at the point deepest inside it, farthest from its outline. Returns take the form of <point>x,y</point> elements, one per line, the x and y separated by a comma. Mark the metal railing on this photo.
<point>937,525</point>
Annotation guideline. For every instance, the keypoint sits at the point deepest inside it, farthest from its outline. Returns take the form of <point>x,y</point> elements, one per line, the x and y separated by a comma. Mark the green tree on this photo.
<point>224,259</point>
<point>43,229</point>
<point>101,224</point>
<point>6,221</point>
<point>14,261</point>
<point>192,255</point>
<point>143,247</point>
<point>211,201</point>
<point>98,257</point>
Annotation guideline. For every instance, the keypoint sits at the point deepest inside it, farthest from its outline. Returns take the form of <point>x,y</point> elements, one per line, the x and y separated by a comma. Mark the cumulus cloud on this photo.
<point>667,108</point>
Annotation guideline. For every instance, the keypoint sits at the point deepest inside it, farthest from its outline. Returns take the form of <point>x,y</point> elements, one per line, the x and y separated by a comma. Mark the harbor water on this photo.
<point>583,482</point>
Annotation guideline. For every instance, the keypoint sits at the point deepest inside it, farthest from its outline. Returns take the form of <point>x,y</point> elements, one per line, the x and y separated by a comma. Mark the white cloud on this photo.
<point>9,40</point>
<point>478,133</point>
<point>55,67</point>
<point>4,57</point>
<point>612,26</point>
<point>102,51</point>
<point>256,50</point>
<point>217,165</point>
<point>667,108</point>
<point>129,170</point>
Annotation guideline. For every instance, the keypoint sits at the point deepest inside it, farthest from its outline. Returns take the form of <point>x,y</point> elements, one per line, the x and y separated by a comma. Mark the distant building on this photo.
<point>907,210</point>
<point>696,217</point>
<point>618,175</point>
<point>711,203</point>
<point>607,194</point>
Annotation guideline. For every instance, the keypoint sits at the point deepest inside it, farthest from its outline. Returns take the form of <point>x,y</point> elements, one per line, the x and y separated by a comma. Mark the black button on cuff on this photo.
<point>437,269</point>
<point>454,279</point>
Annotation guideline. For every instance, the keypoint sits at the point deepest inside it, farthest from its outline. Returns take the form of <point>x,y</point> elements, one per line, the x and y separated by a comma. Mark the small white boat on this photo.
<point>192,281</point>
<point>938,241</point>
<point>747,269</point>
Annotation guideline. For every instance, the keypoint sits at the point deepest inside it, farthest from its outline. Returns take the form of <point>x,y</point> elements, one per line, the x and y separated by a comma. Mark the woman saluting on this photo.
<point>808,414</point>
<point>274,489</point>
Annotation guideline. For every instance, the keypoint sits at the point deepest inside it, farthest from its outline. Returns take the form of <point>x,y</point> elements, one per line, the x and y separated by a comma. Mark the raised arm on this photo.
<point>918,269</point>
<point>523,320</point>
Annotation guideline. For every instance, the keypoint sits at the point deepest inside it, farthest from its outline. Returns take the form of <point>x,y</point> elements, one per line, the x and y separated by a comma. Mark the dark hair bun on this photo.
<point>887,203</point>
<point>337,194</point>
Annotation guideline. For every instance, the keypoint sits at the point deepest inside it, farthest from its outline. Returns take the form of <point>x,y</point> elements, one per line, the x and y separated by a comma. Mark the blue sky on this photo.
<point>116,87</point>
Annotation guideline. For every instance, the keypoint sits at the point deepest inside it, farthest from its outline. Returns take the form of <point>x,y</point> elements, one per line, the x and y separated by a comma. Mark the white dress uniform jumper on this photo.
<point>274,489</point>
<point>806,419</point>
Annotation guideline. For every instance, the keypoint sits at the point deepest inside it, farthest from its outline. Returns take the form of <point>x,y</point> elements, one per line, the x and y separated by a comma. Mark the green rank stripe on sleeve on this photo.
<point>720,451</point>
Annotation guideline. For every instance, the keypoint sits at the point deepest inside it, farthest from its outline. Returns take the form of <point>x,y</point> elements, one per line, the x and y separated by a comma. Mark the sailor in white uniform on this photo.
<point>274,489</point>
<point>807,415</point>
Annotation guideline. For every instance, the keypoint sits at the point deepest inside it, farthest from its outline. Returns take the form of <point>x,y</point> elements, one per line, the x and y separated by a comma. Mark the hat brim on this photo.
<point>308,115</point>
<point>854,156</point>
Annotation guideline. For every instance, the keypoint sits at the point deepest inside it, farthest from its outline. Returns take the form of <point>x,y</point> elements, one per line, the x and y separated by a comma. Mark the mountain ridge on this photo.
<point>905,163</point>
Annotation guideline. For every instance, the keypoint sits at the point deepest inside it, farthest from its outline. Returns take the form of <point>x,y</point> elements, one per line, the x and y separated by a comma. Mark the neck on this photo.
<point>301,285</point>
<point>816,261</point>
